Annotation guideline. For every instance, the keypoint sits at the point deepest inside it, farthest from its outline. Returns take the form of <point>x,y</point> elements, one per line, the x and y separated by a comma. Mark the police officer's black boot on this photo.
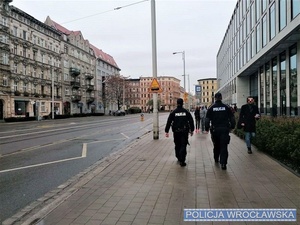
<point>249,151</point>
<point>223,166</point>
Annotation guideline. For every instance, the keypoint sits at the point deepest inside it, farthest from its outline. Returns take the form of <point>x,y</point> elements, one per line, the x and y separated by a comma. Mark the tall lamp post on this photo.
<point>154,71</point>
<point>183,59</point>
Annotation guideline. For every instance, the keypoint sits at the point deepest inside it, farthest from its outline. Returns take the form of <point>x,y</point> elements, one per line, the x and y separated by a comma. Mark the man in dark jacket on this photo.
<point>182,124</point>
<point>220,120</point>
<point>247,121</point>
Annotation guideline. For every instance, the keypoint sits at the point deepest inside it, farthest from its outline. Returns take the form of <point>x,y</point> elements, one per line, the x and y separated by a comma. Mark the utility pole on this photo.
<point>154,70</point>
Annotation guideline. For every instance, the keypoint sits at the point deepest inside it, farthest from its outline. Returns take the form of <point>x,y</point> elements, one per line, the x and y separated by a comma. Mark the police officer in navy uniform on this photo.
<point>220,120</point>
<point>182,124</point>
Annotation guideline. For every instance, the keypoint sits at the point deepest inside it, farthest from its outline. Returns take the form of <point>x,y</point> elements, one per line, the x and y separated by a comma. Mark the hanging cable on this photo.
<point>105,12</point>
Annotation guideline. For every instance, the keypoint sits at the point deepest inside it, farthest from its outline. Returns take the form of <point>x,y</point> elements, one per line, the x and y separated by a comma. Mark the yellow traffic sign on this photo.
<point>185,97</point>
<point>155,87</point>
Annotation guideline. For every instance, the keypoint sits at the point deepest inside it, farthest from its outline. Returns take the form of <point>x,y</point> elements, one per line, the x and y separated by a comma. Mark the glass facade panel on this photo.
<point>268,87</point>
<point>262,90</point>
<point>295,8</point>
<point>263,5</point>
<point>257,10</point>
<point>282,84</point>
<point>264,30</point>
<point>253,47</point>
<point>282,14</point>
<point>274,87</point>
<point>258,38</point>
<point>272,21</point>
<point>293,82</point>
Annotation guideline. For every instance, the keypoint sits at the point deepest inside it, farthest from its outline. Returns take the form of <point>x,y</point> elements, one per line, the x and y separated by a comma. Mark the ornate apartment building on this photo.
<point>30,61</point>
<point>46,68</point>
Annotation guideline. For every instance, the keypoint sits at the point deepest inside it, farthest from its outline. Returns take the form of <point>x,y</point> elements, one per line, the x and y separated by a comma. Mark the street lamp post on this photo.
<point>154,71</point>
<point>183,59</point>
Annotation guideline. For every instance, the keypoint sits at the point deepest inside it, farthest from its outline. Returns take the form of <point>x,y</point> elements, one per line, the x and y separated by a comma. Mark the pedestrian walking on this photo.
<point>220,120</point>
<point>182,124</point>
<point>247,120</point>
<point>203,112</point>
<point>197,119</point>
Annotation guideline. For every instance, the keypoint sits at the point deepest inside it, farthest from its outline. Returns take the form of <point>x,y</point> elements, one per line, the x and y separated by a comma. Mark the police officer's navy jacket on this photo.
<point>220,115</point>
<point>181,120</point>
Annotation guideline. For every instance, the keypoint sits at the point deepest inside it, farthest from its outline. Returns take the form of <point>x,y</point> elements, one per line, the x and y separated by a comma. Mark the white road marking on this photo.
<point>83,155</point>
<point>84,150</point>
<point>40,164</point>
<point>125,136</point>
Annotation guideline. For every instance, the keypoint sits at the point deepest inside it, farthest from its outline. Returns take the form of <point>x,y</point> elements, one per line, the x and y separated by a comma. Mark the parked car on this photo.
<point>119,113</point>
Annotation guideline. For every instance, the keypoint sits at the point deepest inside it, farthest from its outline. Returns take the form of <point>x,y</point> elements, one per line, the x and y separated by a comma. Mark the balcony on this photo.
<point>90,88</point>
<point>74,71</point>
<point>90,100</point>
<point>75,84</point>
<point>89,76</point>
<point>76,98</point>
<point>26,93</point>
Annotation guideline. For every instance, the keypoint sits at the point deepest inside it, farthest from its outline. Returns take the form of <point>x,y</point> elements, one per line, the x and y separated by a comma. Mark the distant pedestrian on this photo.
<point>197,119</point>
<point>247,121</point>
<point>220,120</point>
<point>203,112</point>
<point>182,124</point>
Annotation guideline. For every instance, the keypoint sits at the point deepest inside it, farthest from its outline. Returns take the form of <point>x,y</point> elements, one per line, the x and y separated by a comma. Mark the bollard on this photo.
<point>142,117</point>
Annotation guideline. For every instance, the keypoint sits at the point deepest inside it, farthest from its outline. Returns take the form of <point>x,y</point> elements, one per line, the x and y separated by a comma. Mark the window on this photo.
<point>16,86</point>
<point>5,81</point>
<point>258,46</point>
<point>295,8</point>
<point>268,87</point>
<point>15,31</point>
<point>282,14</point>
<point>43,107</point>
<point>24,34</point>
<point>4,58</point>
<point>264,5</point>
<point>272,21</point>
<point>262,90</point>
<point>264,31</point>
<point>274,87</point>
<point>282,87</point>
<point>24,87</point>
<point>293,81</point>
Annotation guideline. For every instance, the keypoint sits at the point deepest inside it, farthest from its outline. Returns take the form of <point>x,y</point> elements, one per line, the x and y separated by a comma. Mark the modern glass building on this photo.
<point>260,56</point>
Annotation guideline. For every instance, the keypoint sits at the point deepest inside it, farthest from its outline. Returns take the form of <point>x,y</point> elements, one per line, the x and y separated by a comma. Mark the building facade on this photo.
<point>29,66</point>
<point>46,69</point>
<point>260,56</point>
<point>209,87</point>
<point>167,99</point>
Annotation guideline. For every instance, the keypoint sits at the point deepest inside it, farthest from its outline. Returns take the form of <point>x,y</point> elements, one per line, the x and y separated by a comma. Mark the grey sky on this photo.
<point>194,26</point>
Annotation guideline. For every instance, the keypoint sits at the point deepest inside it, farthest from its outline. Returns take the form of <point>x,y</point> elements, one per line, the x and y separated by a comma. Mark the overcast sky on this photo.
<point>196,27</point>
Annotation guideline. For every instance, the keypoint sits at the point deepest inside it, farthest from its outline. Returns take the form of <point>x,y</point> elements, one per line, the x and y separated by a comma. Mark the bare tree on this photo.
<point>115,87</point>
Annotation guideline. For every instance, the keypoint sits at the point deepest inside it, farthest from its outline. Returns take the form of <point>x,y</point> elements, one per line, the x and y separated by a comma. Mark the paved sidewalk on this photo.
<point>145,185</point>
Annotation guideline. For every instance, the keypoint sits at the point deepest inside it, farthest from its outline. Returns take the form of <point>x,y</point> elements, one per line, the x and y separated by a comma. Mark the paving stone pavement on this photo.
<point>146,186</point>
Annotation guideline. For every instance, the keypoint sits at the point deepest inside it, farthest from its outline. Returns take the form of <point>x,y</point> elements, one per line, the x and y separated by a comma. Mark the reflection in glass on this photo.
<point>282,14</point>
<point>293,82</point>
<point>274,87</point>
<point>282,84</point>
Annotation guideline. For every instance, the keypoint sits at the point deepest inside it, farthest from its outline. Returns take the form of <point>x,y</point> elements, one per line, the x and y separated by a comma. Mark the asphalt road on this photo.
<point>38,156</point>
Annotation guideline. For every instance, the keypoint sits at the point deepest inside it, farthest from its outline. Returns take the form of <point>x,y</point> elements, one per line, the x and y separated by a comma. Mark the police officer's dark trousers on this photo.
<point>220,137</point>
<point>181,141</point>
